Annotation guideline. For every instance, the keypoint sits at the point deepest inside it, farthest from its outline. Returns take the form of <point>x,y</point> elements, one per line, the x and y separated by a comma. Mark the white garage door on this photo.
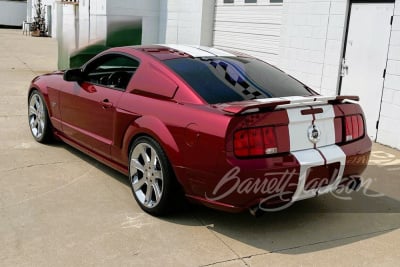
<point>366,56</point>
<point>252,28</point>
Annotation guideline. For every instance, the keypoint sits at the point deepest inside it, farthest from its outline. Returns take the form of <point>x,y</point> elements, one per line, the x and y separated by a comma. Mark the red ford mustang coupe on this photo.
<point>216,127</point>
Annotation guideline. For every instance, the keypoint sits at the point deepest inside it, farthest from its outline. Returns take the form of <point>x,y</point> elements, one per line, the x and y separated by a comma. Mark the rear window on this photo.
<point>228,79</point>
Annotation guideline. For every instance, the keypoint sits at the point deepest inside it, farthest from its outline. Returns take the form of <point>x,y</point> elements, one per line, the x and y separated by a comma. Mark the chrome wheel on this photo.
<point>37,116</point>
<point>146,175</point>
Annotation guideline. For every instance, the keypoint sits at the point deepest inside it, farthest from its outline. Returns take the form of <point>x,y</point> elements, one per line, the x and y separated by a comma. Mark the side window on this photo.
<point>111,70</point>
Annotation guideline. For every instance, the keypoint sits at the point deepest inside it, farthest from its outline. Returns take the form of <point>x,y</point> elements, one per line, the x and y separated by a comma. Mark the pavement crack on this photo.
<point>225,261</point>
<point>333,240</point>
<point>26,64</point>
<point>36,165</point>
<point>11,116</point>
<point>51,191</point>
<point>223,242</point>
<point>294,247</point>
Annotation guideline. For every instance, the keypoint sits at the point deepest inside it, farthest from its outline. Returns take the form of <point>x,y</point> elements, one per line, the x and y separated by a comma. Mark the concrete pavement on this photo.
<point>59,207</point>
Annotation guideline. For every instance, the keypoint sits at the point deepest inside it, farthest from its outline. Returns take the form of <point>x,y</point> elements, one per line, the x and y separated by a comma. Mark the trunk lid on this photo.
<point>298,123</point>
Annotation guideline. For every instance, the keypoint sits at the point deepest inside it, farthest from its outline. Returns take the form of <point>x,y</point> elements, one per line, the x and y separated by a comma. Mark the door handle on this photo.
<point>106,103</point>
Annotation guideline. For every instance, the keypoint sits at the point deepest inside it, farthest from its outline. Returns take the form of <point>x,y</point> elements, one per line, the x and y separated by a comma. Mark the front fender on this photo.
<point>45,84</point>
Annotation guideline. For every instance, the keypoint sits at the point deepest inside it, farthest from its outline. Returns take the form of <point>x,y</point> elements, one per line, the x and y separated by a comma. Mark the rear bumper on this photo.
<point>276,182</point>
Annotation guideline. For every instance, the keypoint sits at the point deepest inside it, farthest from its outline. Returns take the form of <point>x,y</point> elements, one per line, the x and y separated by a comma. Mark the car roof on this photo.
<point>171,51</point>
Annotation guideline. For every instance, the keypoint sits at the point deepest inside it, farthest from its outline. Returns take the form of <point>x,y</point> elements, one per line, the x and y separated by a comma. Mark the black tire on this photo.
<point>38,118</point>
<point>147,162</point>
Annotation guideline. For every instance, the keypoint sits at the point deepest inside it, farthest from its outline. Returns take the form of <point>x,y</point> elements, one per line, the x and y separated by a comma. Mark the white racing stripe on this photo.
<point>325,122</point>
<point>333,154</point>
<point>194,52</point>
<point>199,51</point>
<point>299,125</point>
<point>326,151</point>
<point>298,129</point>
<point>307,158</point>
<point>215,51</point>
<point>312,158</point>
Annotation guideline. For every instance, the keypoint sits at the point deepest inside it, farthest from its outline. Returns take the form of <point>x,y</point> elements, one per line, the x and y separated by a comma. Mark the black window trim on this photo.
<point>111,53</point>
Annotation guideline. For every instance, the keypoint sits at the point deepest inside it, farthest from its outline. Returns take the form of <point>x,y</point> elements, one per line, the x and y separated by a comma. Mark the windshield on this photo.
<point>228,79</point>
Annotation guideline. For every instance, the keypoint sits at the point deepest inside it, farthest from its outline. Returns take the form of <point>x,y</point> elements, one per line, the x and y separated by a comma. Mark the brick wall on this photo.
<point>187,22</point>
<point>389,123</point>
<point>312,37</point>
<point>311,42</point>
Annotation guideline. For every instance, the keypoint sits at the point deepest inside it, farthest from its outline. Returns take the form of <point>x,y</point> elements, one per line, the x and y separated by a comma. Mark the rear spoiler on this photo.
<point>237,108</point>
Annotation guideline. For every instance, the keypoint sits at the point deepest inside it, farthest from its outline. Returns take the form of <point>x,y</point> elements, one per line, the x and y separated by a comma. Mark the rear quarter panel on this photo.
<point>192,138</point>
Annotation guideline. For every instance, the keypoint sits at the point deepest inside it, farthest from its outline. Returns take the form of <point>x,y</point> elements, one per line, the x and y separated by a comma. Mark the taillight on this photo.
<point>255,142</point>
<point>354,126</point>
<point>241,143</point>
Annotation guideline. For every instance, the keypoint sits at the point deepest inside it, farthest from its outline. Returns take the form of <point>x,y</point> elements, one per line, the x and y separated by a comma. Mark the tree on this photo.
<point>38,27</point>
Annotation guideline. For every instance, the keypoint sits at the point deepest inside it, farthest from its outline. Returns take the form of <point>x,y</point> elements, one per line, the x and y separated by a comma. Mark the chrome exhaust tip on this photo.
<point>256,211</point>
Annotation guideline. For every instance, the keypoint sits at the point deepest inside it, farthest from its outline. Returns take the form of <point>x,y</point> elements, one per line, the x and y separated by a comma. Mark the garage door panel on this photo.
<point>261,42</point>
<point>270,58</point>
<point>253,48</point>
<point>259,14</point>
<point>252,29</point>
<point>248,28</point>
<point>249,19</point>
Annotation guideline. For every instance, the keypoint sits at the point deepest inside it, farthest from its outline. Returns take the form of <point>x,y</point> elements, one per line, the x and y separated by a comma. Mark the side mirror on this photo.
<point>73,75</point>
